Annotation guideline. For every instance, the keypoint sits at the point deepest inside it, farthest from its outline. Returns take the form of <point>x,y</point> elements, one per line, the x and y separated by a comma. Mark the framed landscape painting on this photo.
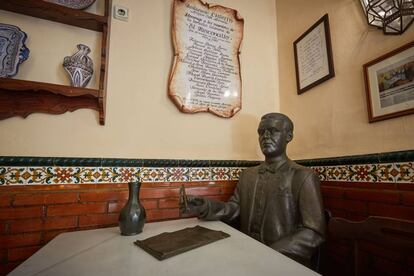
<point>389,84</point>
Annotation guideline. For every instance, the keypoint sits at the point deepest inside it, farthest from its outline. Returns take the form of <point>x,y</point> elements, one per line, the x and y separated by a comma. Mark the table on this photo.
<point>106,252</point>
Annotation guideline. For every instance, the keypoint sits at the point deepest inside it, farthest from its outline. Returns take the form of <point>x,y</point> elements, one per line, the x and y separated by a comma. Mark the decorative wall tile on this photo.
<point>404,172</point>
<point>200,174</point>
<point>42,175</point>
<point>154,174</point>
<point>220,173</point>
<point>235,173</point>
<point>385,172</point>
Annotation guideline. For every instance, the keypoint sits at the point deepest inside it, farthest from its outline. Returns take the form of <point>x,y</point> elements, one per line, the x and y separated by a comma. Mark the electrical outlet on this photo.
<point>121,13</point>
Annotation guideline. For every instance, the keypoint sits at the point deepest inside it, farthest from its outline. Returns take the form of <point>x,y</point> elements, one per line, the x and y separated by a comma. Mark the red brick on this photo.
<point>76,209</point>
<point>104,196</point>
<point>365,185</point>
<point>148,193</point>
<point>5,200</point>
<point>44,198</point>
<point>408,198</point>
<point>20,226</point>
<point>11,241</point>
<point>22,253</point>
<point>405,186</point>
<point>27,225</point>
<point>6,268</point>
<point>115,207</point>
<point>3,227</point>
<point>162,214</point>
<point>392,211</point>
<point>332,192</point>
<point>228,190</point>
<point>3,256</point>
<point>23,212</point>
<point>348,205</point>
<point>149,204</point>
<point>92,220</point>
<point>375,196</point>
<point>168,203</point>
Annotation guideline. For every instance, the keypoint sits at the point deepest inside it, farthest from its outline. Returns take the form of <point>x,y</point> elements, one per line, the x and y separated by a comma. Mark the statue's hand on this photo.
<point>195,205</point>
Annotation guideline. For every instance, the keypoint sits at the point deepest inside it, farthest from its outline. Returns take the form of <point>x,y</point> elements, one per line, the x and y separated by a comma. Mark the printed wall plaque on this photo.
<point>205,75</point>
<point>389,82</point>
<point>313,56</point>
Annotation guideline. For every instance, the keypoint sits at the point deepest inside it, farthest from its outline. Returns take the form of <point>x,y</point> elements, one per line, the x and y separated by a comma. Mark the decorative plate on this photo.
<point>73,4</point>
<point>13,51</point>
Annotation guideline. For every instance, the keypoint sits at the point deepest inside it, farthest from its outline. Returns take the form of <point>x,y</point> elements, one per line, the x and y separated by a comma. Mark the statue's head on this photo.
<point>275,132</point>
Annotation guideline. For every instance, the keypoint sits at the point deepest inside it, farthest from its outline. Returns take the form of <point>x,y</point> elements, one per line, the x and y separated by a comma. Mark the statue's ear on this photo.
<point>289,136</point>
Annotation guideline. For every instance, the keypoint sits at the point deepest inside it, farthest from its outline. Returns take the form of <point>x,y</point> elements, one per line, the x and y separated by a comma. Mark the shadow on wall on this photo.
<point>244,135</point>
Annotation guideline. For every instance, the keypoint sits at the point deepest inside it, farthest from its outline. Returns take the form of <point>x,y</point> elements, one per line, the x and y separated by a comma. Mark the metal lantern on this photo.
<point>392,16</point>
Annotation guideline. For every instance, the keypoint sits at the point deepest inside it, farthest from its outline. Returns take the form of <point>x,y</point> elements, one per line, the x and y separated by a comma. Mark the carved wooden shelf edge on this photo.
<point>21,98</point>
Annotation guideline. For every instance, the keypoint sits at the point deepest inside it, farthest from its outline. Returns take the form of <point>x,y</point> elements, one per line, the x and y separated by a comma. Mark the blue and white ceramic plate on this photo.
<point>13,51</point>
<point>73,4</point>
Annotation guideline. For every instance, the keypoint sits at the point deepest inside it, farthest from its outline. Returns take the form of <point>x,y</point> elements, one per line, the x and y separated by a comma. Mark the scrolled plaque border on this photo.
<point>176,98</point>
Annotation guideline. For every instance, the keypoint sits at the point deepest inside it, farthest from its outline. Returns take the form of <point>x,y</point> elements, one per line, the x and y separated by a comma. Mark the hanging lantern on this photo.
<point>392,16</point>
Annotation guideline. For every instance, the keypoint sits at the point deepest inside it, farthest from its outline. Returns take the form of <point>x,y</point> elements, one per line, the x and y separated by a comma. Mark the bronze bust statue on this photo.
<point>278,202</point>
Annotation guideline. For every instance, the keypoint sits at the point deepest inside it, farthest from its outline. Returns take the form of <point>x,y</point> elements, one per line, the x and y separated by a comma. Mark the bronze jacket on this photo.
<point>283,204</point>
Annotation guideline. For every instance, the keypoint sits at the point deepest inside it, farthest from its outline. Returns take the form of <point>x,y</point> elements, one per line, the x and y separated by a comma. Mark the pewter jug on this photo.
<point>132,216</point>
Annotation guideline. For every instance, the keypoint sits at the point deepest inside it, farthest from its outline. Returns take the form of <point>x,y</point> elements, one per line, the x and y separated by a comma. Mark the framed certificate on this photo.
<point>313,56</point>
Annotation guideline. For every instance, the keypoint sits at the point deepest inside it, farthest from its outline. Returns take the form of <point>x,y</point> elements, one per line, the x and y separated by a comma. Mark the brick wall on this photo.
<point>356,201</point>
<point>31,216</point>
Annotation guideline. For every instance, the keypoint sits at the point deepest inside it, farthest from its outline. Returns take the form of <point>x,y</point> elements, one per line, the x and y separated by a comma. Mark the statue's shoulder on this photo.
<point>251,170</point>
<point>300,170</point>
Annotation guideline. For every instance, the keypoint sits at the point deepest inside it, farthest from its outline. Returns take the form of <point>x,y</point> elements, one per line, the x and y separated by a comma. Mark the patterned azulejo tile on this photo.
<point>14,175</point>
<point>404,172</point>
<point>154,174</point>
<point>235,173</point>
<point>385,172</point>
<point>220,173</point>
<point>199,174</point>
<point>117,174</point>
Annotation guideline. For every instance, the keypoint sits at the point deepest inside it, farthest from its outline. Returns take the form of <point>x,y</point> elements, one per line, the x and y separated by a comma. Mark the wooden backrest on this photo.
<point>392,233</point>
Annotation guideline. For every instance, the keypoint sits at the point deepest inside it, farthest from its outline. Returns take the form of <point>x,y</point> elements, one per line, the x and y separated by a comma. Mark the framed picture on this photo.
<point>313,56</point>
<point>389,84</point>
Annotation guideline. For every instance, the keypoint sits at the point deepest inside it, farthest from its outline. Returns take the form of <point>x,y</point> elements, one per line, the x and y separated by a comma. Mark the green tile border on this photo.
<point>119,162</point>
<point>375,158</point>
<point>387,157</point>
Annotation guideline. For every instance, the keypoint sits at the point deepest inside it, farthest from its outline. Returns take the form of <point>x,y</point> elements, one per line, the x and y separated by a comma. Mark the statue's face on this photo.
<point>273,137</point>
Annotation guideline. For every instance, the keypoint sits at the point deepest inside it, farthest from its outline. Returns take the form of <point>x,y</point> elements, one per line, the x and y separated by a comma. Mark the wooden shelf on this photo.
<point>14,85</point>
<point>21,98</point>
<point>56,13</point>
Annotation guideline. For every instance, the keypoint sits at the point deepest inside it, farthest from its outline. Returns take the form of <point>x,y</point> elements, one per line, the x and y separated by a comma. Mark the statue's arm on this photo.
<point>311,230</point>
<point>218,210</point>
